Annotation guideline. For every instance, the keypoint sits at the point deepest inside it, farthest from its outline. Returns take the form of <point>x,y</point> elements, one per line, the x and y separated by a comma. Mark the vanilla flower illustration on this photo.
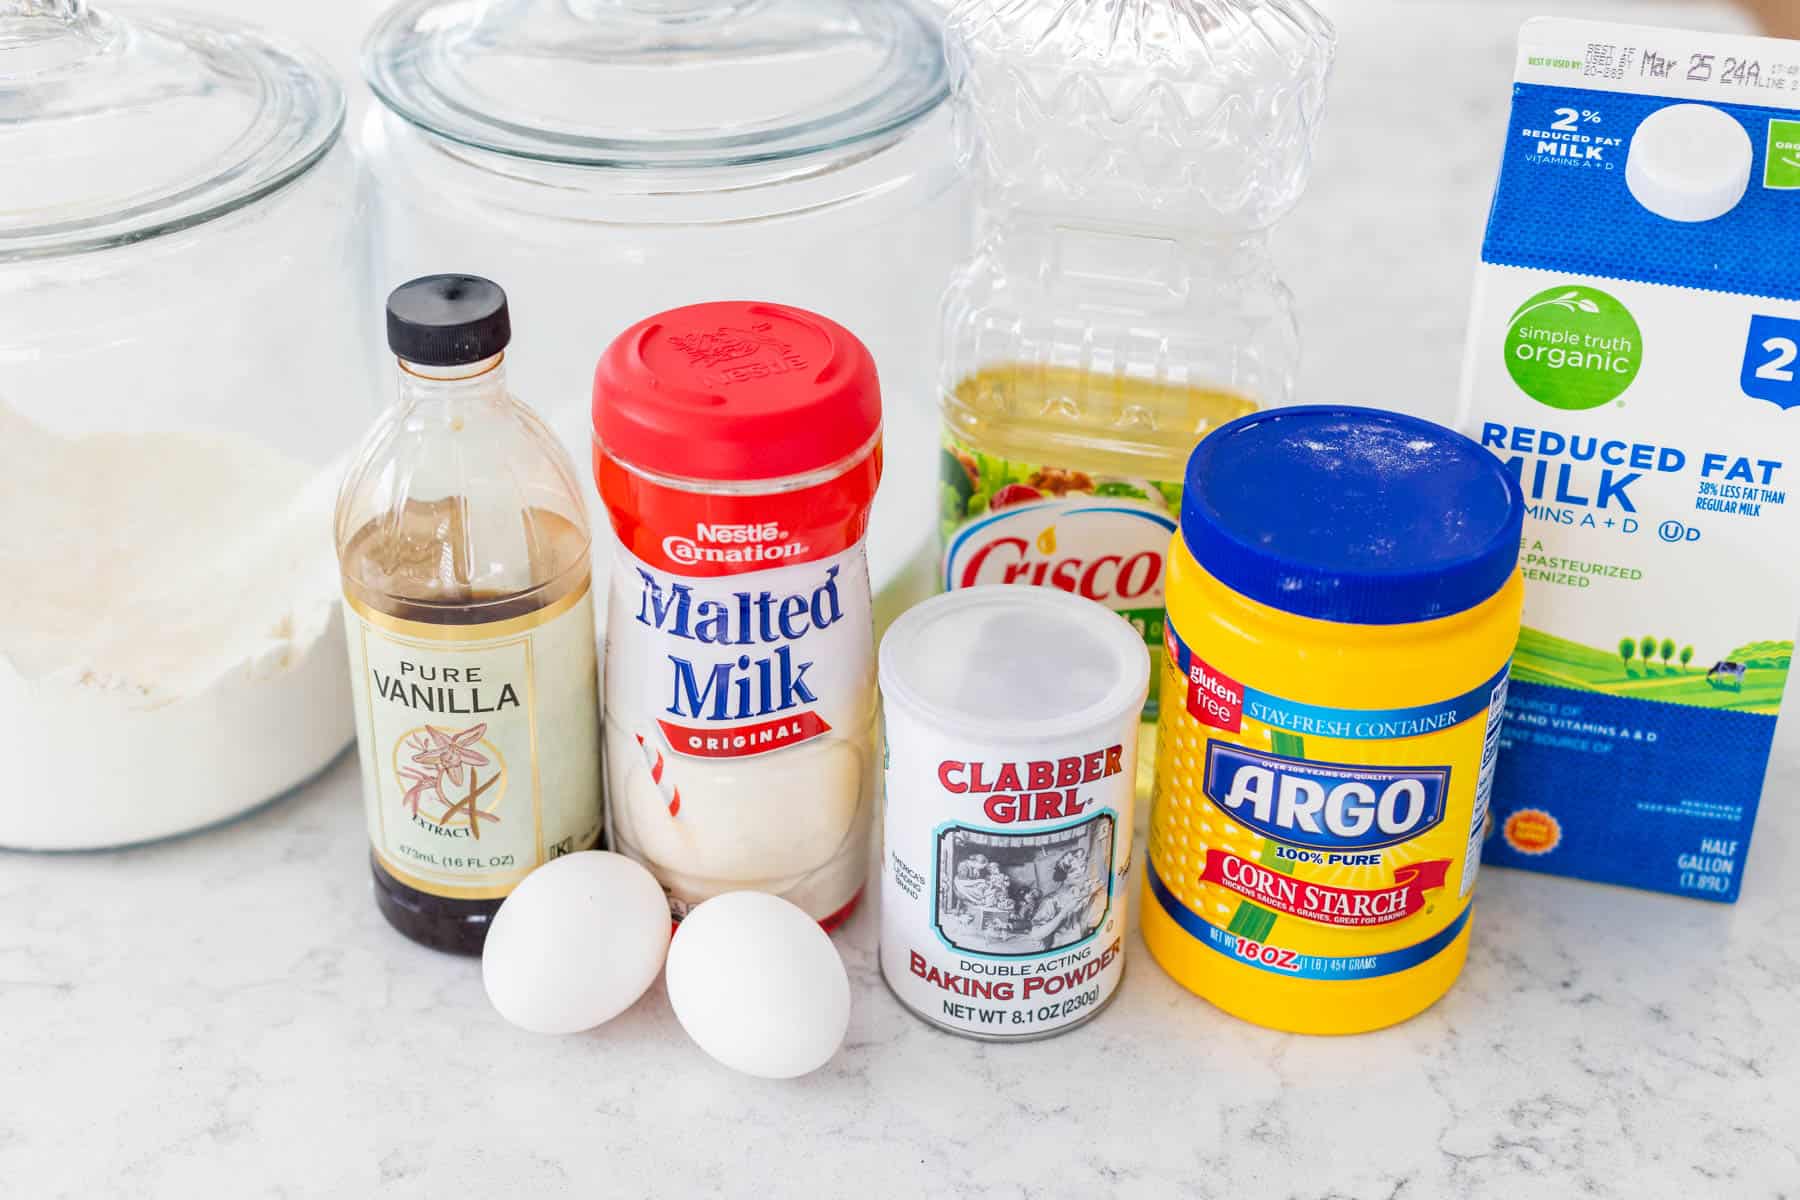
<point>421,783</point>
<point>470,807</point>
<point>449,753</point>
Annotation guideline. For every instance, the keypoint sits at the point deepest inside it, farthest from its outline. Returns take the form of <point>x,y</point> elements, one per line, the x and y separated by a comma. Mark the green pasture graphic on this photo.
<point>1650,667</point>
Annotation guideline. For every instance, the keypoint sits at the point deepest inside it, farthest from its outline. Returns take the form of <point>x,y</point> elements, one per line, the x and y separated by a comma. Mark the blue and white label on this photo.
<point>1771,371</point>
<point>1657,632</point>
<point>1325,806</point>
<point>1359,724</point>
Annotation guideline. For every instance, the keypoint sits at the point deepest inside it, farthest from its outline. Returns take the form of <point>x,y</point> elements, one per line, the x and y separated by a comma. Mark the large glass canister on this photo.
<point>609,159</point>
<point>182,356</point>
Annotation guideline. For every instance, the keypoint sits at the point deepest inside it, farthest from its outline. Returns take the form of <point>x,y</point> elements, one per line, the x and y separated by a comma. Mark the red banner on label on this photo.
<point>743,741</point>
<point>1213,697</point>
<point>702,534</point>
<point>1321,902</point>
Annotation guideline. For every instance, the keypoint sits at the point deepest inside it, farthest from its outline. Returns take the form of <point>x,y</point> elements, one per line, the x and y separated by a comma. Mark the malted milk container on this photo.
<point>737,447</point>
<point>1012,725</point>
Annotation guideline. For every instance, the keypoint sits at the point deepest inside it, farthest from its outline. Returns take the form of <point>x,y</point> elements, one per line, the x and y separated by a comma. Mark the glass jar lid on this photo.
<point>143,124</point>
<point>657,83</point>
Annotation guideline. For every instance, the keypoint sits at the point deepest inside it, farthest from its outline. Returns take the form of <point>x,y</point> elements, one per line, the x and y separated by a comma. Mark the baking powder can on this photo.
<point>1011,722</point>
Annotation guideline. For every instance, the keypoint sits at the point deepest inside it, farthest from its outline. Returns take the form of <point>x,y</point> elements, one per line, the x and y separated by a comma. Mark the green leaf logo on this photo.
<point>1781,166</point>
<point>1573,348</point>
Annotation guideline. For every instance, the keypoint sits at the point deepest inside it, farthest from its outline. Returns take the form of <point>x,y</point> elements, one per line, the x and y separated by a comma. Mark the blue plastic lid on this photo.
<point>1351,514</point>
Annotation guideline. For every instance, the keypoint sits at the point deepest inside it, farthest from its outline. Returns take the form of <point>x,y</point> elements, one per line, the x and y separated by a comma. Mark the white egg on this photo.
<point>758,985</point>
<point>576,943</point>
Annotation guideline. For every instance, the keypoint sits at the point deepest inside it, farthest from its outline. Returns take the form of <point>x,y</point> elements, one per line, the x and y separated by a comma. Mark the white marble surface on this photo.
<point>228,1015</point>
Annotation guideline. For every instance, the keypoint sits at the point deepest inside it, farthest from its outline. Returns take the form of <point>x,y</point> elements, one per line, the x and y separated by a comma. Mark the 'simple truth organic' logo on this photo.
<point>446,767</point>
<point>1573,347</point>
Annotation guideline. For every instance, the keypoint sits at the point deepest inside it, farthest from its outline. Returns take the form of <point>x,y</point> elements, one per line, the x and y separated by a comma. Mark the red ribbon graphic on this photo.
<point>743,741</point>
<point>1321,902</point>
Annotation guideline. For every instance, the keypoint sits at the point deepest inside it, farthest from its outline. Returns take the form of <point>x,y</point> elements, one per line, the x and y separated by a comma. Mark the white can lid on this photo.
<point>1689,162</point>
<point>1014,663</point>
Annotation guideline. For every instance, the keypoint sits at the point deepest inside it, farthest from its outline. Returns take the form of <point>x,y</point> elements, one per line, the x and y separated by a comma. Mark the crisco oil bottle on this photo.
<point>1130,156</point>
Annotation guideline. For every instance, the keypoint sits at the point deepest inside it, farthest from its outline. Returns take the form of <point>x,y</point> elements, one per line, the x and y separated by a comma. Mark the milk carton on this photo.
<point>1634,355</point>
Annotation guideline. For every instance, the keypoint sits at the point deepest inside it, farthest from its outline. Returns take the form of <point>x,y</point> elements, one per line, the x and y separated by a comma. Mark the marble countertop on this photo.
<point>227,1015</point>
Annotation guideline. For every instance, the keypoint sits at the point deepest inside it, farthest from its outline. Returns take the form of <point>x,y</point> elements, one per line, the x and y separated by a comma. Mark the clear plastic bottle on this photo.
<point>464,545</point>
<point>1130,156</point>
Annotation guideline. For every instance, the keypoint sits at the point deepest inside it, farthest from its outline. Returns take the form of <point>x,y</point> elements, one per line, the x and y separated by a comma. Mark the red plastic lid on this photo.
<point>735,390</point>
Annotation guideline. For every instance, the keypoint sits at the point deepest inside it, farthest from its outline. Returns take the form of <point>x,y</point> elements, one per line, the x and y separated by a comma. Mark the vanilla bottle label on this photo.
<point>476,743</point>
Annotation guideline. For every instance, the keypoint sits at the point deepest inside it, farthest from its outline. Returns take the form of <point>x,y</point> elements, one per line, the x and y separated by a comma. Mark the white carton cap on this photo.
<point>1689,162</point>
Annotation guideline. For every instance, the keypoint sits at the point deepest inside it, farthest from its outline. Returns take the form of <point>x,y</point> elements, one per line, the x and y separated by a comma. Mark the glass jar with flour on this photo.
<point>183,356</point>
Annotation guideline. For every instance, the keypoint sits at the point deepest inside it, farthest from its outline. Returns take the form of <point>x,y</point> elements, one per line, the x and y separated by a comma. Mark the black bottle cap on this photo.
<point>447,320</point>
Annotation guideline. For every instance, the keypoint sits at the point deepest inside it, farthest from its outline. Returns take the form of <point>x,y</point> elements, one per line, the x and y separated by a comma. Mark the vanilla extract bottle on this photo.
<point>464,545</point>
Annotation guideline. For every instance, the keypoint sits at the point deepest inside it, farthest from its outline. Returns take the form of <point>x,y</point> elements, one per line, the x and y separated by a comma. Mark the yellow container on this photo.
<point>1343,601</point>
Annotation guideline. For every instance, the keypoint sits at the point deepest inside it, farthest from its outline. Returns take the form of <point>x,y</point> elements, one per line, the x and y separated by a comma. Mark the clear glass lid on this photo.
<point>658,83</point>
<point>117,128</point>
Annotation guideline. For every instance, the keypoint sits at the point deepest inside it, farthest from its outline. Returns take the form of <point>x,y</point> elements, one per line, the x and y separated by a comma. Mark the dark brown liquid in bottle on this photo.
<point>411,569</point>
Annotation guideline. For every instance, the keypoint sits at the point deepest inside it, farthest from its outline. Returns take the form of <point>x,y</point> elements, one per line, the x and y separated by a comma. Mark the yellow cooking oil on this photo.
<point>1069,477</point>
<point>1110,424</point>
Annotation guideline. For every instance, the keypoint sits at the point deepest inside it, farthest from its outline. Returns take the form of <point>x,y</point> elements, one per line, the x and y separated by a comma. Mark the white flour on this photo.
<point>170,647</point>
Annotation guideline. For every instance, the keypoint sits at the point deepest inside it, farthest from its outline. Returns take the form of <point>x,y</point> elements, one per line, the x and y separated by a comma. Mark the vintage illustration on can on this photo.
<point>1006,921</point>
<point>1020,894</point>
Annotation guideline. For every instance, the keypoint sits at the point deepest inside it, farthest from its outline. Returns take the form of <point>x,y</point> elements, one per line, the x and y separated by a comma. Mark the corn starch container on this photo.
<point>1343,602</point>
<point>1011,717</point>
